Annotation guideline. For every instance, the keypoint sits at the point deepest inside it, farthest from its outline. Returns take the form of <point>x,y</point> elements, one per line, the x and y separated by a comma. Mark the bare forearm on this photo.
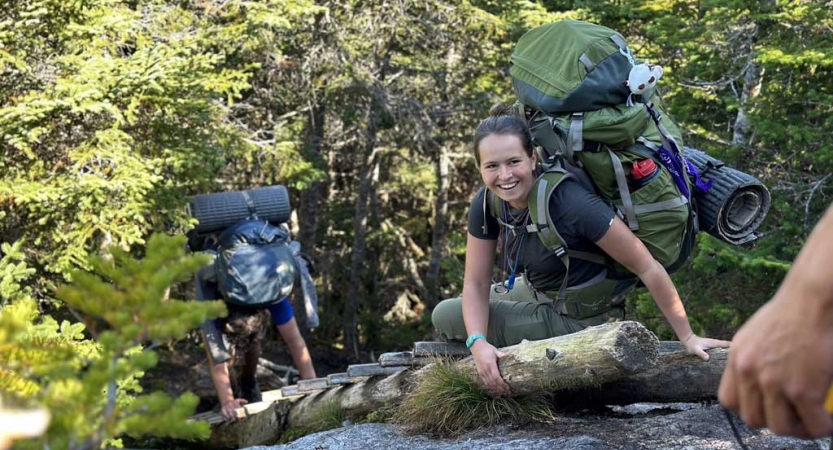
<point>665,295</point>
<point>302,360</point>
<point>291,335</point>
<point>222,382</point>
<point>476,308</point>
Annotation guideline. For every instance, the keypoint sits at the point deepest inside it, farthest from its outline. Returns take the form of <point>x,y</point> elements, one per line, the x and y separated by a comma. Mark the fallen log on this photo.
<point>677,377</point>
<point>353,399</point>
<point>587,358</point>
<point>258,424</point>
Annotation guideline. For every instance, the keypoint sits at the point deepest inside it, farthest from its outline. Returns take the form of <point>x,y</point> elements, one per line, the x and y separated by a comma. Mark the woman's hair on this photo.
<point>505,121</point>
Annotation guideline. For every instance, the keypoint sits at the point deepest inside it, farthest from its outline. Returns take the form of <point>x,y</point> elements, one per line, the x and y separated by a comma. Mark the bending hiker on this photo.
<point>255,268</point>
<point>781,364</point>
<point>490,316</point>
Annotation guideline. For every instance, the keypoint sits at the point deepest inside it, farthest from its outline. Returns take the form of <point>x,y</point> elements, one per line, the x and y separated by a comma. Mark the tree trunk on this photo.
<point>438,236</point>
<point>443,164</point>
<point>308,210</point>
<point>352,303</point>
<point>753,75</point>
<point>408,247</point>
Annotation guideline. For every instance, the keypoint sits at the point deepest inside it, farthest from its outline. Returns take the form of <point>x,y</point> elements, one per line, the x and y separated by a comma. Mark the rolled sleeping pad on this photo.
<point>222,209</point>
<point>735,205</point>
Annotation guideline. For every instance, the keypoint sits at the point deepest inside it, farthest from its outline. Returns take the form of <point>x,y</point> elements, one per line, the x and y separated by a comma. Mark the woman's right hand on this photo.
<point>485,359</point>
<point>228,408</point>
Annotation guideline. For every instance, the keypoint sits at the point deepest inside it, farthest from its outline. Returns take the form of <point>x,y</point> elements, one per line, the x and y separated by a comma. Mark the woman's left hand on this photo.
<point>697,345</point>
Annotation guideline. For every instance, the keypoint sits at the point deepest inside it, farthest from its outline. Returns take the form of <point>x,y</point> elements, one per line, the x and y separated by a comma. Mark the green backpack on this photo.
<point>569,79</point>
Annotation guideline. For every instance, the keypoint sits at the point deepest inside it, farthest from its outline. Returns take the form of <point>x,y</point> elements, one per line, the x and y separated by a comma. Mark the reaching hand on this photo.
<point>697,345</point>
<point>228,408</point>
<point>781,366</point>
<point>485,359</point>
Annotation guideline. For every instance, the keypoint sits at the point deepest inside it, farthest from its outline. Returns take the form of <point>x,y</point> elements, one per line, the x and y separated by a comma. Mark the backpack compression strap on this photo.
<point>250,204</point>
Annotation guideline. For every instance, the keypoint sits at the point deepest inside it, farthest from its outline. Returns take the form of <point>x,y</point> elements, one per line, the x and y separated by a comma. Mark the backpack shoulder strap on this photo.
<point>491,206</point>
<point>539,207</point>
<point>542,224</point>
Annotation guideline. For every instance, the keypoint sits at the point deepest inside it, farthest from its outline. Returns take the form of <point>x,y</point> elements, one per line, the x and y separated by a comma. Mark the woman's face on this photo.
<point>506,169</point>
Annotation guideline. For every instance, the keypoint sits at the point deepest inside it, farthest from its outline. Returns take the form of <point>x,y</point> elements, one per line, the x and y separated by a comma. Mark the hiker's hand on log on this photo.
<point>697,345</point>
<point>485,359</point>
<point>228,408</point>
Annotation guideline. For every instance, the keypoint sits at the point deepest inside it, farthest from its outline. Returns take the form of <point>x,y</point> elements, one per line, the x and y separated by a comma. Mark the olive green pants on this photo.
<point>514,316</point>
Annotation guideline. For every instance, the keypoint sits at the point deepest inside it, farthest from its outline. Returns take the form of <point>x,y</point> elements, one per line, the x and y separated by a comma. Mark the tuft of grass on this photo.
<point>384,414</point>
<point>326,416</point>
<point>448,401</point>
<point>291,434</point>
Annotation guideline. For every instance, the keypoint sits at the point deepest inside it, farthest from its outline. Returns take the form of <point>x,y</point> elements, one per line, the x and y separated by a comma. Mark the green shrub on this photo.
<point>91,386</point>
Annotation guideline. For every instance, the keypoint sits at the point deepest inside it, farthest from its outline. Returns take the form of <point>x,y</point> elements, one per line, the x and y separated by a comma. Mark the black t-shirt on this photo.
<point>579,215</point>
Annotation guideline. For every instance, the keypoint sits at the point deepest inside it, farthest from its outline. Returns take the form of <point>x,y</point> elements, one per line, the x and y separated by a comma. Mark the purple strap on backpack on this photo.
<point>674,162</point>
<point>673,159</point>
<point>702,185</point>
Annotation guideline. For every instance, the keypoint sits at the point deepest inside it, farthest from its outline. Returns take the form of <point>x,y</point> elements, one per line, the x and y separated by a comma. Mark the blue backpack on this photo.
<point>254,266</point>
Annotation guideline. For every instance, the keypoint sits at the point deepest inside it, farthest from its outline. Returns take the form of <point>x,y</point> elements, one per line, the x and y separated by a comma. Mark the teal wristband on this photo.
<point>472,338</point>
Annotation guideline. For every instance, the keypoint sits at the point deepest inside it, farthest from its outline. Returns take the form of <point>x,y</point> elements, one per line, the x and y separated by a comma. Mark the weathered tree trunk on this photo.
<point>351,337</point>
<point>442,166</point>
<point>591,357</point>
<point>369,169</point>
<point>311,198</point>
<point>753,75</point>
<point>354,398</point>
<point>408,248</point>
<point>677,377</point>
<point>438,236</point>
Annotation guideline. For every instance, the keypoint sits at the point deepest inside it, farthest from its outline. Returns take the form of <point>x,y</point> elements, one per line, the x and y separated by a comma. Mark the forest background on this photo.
<point>114,112</point>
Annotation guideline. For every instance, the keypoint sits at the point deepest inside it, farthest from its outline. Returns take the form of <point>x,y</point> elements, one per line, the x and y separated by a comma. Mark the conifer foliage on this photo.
<point>91,387</point>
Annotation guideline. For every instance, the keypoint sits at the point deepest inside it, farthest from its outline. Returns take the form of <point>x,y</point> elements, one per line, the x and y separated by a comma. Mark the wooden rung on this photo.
<point>272,396</point>
<point>440,349</point>
<point>291,391</point>
<point>315,384</point>
<point>369,370</point>
<point>394,359</point>
<point>335,379</point>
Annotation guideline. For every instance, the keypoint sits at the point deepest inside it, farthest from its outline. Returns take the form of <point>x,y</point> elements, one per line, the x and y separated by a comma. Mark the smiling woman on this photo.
<point>506,168</point>
<point>490,315</point>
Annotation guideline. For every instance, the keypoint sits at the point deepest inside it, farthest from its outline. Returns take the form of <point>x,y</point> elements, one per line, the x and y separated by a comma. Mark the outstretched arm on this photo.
<point>298,348</point>
<point>222,384</point>
<point>623,246</point>
<point>781,364</point>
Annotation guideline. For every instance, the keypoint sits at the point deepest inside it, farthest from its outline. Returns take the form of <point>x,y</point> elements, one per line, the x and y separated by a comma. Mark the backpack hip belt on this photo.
<point>594,297</point>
